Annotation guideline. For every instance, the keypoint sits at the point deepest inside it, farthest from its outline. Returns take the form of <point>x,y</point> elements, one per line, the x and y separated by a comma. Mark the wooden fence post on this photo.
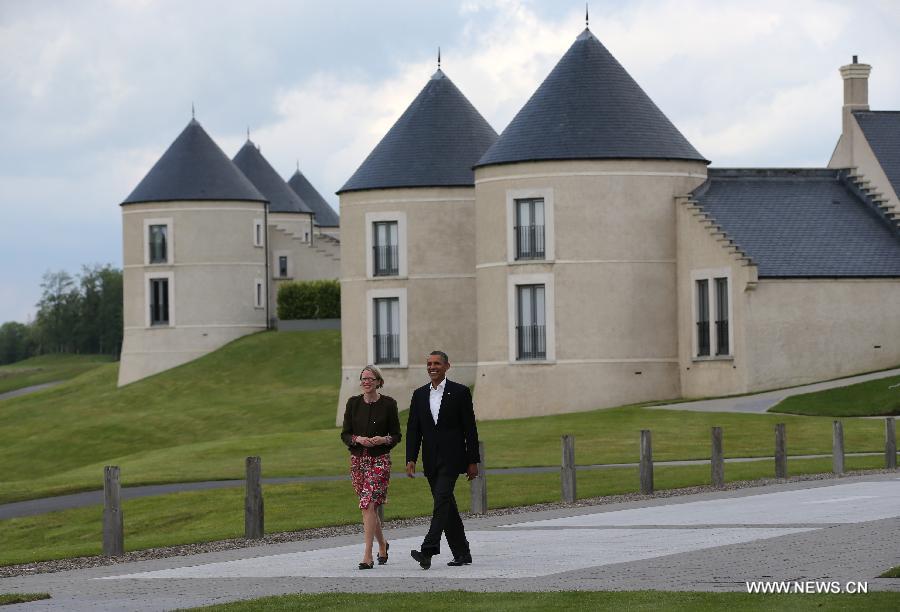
<point>254,515</point>
<point>113,524</point>
<point>567,471</point>
<point>780,451</point>
<point>837,448</point>
<point>646,463</point>
<point>479,485</point>
<point>890,444</point>
<point>717,459</point>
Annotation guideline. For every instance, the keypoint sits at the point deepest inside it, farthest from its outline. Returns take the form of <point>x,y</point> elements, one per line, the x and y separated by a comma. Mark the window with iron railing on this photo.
<point>385,247</point>
<point>702,318</point>
<point>529,229</point>
<point>159,301</point>
<point>531,336</point>
<point>386,340</point>
<point>722,343</point>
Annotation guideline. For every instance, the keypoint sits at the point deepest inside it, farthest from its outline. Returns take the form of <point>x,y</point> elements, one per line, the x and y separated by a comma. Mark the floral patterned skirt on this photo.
<point>370,476</point>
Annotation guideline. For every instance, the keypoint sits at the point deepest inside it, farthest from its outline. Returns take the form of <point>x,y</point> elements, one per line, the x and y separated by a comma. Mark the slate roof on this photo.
<point>589,107</point>
<point>801,223</point>
<point>325,215</point>
<point>255,167</point>
<point>434,143</point>
<point>194,168</point>
<point>882,130</point>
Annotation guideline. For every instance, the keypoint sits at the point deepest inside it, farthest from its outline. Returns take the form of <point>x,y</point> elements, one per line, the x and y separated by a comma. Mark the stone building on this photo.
<point>206,241</point>
<point>589,257</point>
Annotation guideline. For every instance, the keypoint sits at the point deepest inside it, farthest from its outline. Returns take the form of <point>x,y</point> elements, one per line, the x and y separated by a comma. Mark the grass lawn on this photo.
<point>16,598</point>
<point>894,572</point>
<point>201,516</point>
<point>567,600</point>
<point>871,398</point>
<point>275,394</point>
<point>47,368</point>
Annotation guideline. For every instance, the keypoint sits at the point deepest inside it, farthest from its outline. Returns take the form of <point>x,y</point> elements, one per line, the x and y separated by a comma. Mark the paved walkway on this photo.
<point>843,530</point>
<point>761,402</point>
<point>31,389</point>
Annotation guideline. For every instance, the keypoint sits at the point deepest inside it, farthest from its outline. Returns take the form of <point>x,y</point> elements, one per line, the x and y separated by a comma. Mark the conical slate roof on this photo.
<point>325,215</point>
<point>589,107</point>
<point>194,168</point>
<point>434,143</point>
<point>255,167</point>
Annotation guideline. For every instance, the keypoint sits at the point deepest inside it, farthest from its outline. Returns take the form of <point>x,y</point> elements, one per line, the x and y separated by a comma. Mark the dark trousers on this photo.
<point>445,517</point>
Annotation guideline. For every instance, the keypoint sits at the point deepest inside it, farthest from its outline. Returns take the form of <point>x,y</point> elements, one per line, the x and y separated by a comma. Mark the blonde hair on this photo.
<point>376,373</point>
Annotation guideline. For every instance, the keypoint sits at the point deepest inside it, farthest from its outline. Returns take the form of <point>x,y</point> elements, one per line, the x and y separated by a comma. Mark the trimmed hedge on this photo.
<point>320,299</point>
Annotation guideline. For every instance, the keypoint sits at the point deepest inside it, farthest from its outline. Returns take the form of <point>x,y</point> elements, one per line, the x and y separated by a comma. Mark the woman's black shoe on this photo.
<point>363,566</point>
<point>383,560</point>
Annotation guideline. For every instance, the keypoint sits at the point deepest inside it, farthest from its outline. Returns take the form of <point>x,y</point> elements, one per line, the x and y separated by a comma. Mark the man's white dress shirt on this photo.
<point>434,398</point>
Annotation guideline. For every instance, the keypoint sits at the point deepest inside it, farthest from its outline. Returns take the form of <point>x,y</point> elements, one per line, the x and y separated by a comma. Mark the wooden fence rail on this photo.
<point>254,515</point>
<point>567,470</point>
<point>113,521</point>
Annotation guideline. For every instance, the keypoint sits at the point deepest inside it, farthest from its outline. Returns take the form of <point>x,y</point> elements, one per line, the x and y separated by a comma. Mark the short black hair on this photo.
<point>440,354</point>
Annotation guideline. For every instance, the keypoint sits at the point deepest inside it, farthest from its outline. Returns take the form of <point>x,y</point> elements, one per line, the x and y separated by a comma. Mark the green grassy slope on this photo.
<point>263,385</point>
<point>47,368</point>
<point>274,395</point>
<point>871,398</point>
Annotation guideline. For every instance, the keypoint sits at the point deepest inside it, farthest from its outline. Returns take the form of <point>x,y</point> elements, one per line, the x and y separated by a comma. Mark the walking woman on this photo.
<point>371,430</point>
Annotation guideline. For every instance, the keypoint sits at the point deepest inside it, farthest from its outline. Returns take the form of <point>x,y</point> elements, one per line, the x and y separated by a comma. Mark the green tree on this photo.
<point>16,342</point>
<point>57,313</point>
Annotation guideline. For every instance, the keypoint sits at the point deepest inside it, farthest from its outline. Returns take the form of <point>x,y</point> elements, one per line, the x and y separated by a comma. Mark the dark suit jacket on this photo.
<point>451,444</point>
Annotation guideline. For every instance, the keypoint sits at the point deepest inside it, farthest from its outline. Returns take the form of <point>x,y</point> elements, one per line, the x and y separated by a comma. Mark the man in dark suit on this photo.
<point>442,422</point>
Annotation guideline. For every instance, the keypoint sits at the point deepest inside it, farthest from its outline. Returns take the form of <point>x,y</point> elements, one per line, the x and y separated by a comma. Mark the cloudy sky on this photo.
<point>93,91</point>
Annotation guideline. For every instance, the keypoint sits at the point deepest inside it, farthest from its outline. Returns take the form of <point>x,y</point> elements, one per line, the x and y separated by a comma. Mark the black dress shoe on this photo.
<point>423,559</point>
<point>363,566</point>
<point>463,560</point>
<point>383,560</point>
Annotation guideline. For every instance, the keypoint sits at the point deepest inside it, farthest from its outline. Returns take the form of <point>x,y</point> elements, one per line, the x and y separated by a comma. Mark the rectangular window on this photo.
<point>722,347</point>
<point>159,301</point>
<point>385,247</point>
<point>258,298</point>
<point>257,232</point>
<point>531,337</point>
<point>529,229</point>
<point>387,330</point>
<point>702,318</point>
<point>283,266</point>
<point>158,246</point>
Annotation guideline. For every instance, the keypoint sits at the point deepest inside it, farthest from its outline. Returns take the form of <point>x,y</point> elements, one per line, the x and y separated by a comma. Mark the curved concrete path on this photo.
<point>841,530</point>
<point>761,402</point>
<point>31,389</point>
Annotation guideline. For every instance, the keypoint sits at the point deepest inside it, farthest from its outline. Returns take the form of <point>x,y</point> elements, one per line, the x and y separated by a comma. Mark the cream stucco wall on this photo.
<point>315,260</point>
<point>785,332</point>
<point>613,271</point>
<point>804,330</point>
<point>212,282</point>
<point>437,283</point>
<point>855,152</point>
<point>701,249</point>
